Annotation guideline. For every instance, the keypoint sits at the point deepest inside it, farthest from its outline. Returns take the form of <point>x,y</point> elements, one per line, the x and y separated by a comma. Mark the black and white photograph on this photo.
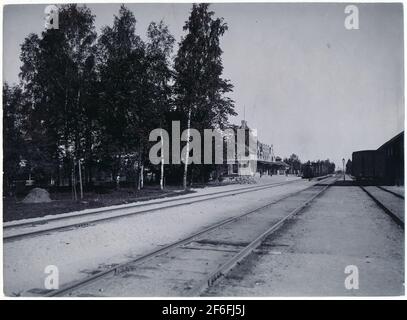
<point>203,150</point>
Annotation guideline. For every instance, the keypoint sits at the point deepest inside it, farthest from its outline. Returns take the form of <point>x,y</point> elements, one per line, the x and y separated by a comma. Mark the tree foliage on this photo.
<point>95,98</point>
<point>199,85</point>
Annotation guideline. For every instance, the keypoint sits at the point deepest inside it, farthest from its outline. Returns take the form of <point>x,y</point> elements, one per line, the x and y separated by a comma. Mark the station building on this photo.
<point>262,160</point>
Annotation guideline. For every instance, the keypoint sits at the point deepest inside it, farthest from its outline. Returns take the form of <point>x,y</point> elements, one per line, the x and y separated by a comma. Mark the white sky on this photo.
<point>309,86</point>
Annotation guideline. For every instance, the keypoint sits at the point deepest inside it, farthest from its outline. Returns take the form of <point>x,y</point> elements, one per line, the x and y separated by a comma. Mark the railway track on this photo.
<point>15,231</point>
<point>391,192</point>
<point>394,211</point>
<point>186,267</point>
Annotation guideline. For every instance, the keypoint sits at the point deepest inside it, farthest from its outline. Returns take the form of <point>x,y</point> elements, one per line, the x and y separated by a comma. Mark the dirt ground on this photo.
<point>14,209</point>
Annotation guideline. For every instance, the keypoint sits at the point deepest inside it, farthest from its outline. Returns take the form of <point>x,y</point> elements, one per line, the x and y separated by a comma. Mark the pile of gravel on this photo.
<point>246,180</point>
<point>37,195</point>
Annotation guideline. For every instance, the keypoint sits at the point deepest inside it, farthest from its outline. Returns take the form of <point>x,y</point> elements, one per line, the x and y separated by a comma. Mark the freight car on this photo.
<point>369,165</point>
<point>393,151</point>
<point>384,165</point>
<point>317,169</point>
<point>307,172</point>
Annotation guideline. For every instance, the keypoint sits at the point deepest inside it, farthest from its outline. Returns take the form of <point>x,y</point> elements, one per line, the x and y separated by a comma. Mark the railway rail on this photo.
<point>186,267</point>
<point>393,193</point>
<point>16,230</point>
<point>396,217</point>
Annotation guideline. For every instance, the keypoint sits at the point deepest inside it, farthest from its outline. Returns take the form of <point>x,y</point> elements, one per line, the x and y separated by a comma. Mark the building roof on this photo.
<point>280,163</point>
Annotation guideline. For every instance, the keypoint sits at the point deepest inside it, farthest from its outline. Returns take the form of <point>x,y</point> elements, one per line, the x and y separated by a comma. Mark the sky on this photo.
<point>306,83</point>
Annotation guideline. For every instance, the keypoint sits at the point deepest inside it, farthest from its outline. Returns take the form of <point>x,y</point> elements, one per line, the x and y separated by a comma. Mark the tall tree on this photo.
<point>200,91</point>
<point>158,53</point>
<point>13,133</point>
<point>124,91</point>
<point>78,26</point>
<point>294,162</point>
<point>57,75</point>
<point>349,167</point>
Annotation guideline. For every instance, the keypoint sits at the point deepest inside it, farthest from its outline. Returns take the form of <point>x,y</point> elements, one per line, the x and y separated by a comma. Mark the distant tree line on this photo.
<point>323,166</point>
<point>319,167</point>
<point>95,98</point>
<point>348,168</point>
<point>294,162</point>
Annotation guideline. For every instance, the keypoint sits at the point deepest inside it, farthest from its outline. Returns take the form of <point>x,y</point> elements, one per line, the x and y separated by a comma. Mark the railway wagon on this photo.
<point>315,169</point>
<point>307,172</point>
<point>394,155</point>
<point>369,165</point>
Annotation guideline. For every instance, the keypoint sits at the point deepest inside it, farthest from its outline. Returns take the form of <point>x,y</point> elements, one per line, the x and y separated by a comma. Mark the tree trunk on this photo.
<point>138,176</point>
<point>76,145</point>
<point>116,173</point>
<point>88,157</point>
<point>187,151</point>
<point>80,177</point>
<point>66,139</point>
<point>140,169</point>
<point>162,162</point>
<point>74,194</point>
<point>191,176</point>
<point>142,176</point>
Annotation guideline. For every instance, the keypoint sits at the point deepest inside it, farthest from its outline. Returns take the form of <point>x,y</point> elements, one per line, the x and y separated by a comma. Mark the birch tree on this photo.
<point>200,91</point>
